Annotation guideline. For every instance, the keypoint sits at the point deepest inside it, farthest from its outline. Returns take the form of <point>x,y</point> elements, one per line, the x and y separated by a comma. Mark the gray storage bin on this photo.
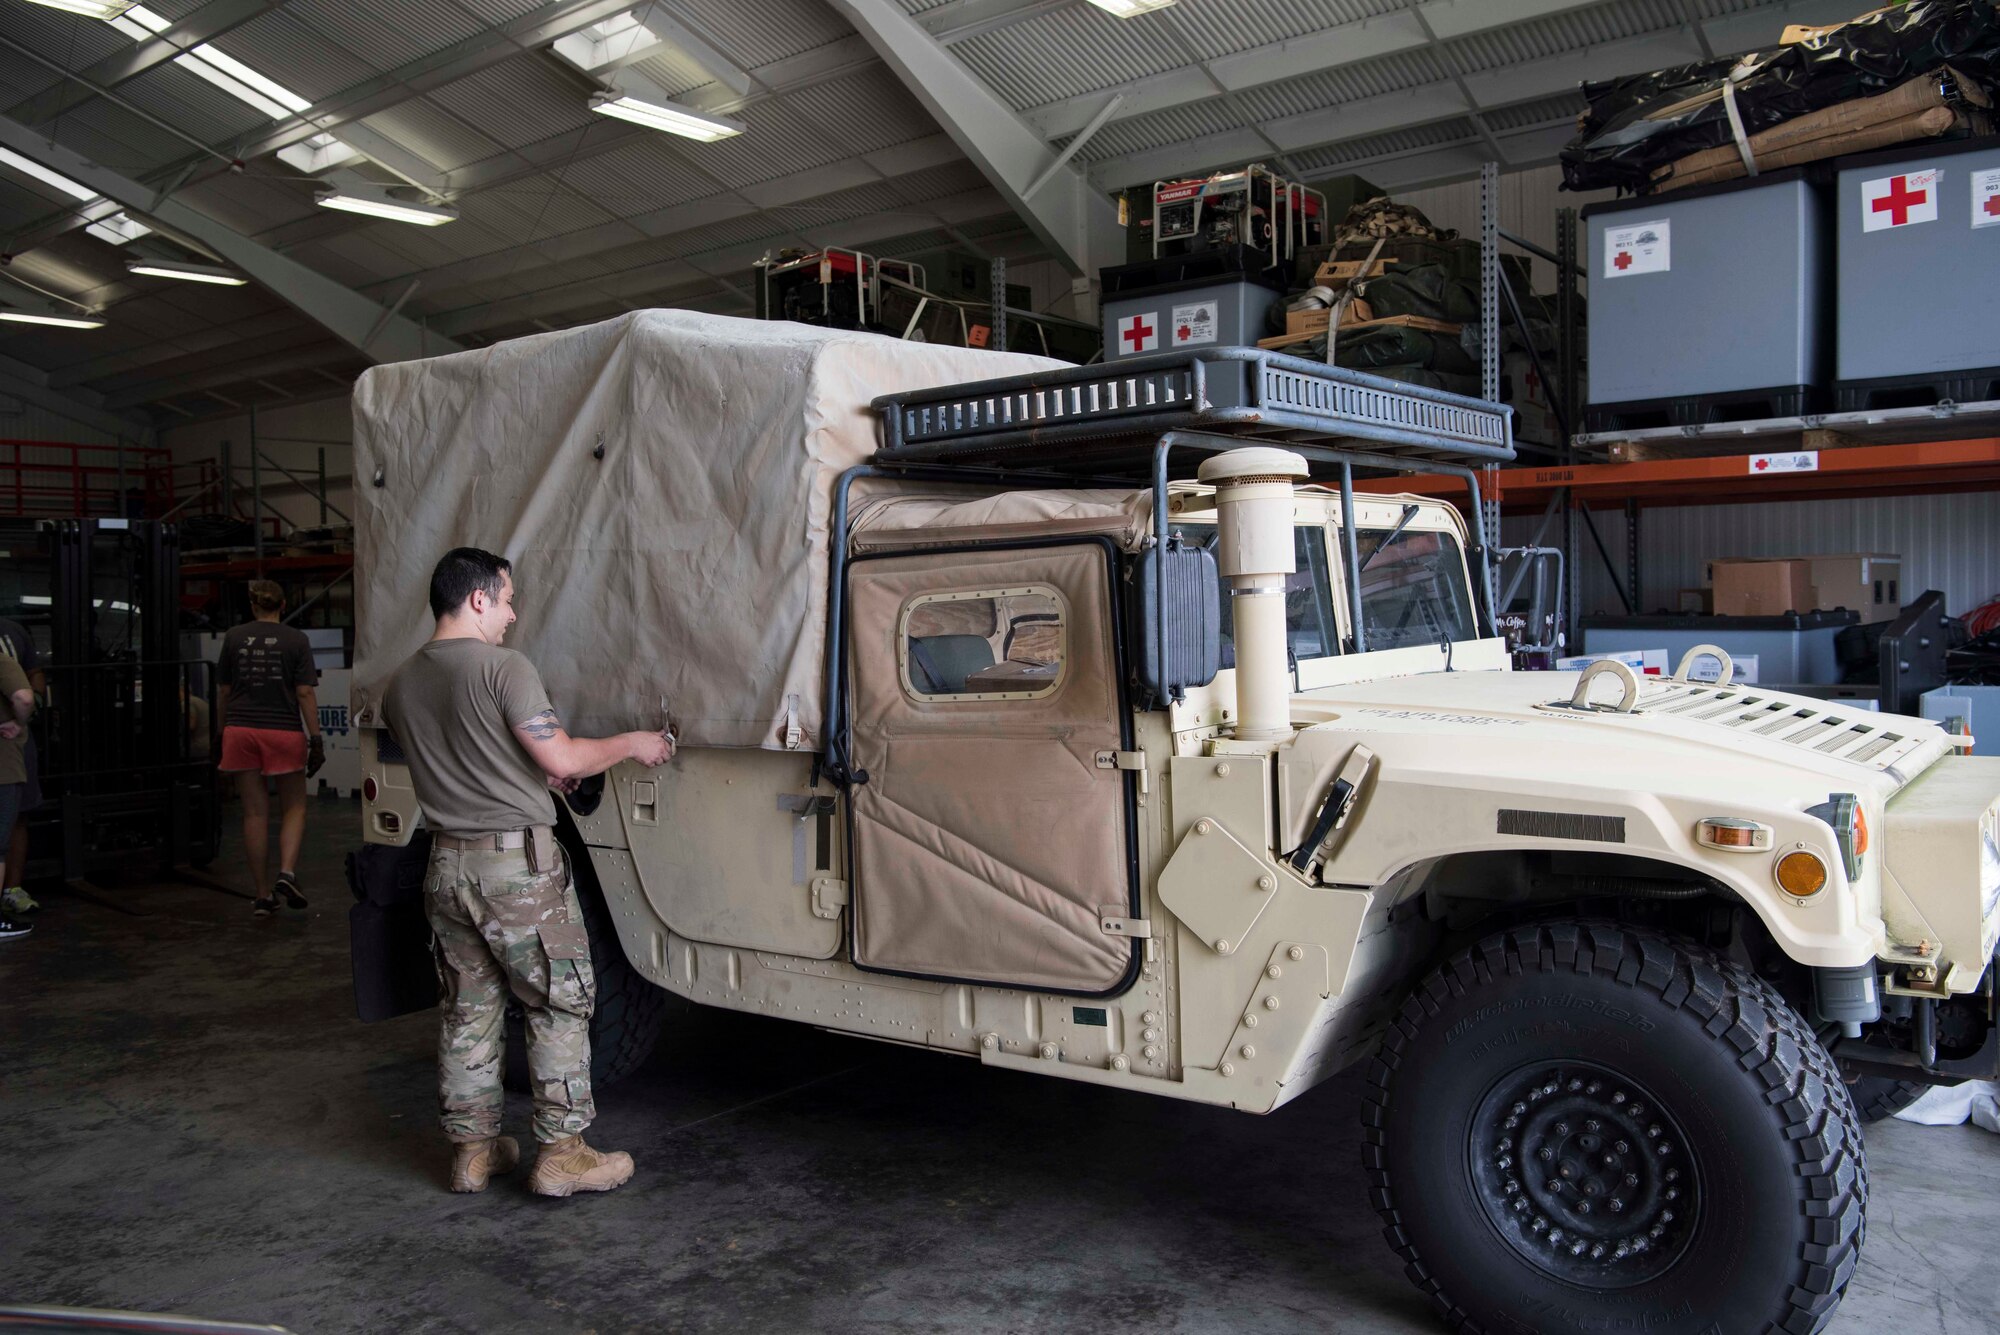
<point>1915,301</point>
<point>1709,304</point>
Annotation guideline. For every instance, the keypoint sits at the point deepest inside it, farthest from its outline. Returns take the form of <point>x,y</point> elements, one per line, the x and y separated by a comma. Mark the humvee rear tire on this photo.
<point>630,1013</point>
<point>1582,1126</point>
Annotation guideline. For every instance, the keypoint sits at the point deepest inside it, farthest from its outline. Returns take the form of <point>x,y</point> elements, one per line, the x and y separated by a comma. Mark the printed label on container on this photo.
<point>1986,198</point>
<point>1194,324</point>
<point>1138,333</point>
<point>1899,201</point>
<point>1791,461</point>
<point>1639,248</point>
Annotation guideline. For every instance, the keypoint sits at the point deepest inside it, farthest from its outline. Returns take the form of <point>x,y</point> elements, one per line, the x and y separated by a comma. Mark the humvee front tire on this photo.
<point>1877,1097</point>
<point>1582,1126</point>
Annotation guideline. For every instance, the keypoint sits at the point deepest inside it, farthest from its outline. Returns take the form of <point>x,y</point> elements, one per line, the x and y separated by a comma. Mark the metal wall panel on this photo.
<point>1947,542</point>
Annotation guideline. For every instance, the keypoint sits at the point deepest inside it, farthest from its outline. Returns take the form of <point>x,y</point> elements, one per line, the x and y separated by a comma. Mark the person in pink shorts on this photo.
<point>266,684</point>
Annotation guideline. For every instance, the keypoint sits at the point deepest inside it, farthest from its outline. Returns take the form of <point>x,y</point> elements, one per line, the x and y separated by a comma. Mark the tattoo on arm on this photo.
<point>543,726</point>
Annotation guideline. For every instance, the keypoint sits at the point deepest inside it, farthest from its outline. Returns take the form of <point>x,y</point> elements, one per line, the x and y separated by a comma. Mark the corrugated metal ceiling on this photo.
<point>530,105</point>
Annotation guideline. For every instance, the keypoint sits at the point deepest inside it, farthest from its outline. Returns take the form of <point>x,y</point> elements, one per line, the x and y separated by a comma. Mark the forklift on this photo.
<point>122,735</point>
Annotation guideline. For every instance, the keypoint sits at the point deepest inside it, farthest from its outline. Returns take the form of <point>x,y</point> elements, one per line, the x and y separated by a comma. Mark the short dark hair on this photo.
<point>462,570</point>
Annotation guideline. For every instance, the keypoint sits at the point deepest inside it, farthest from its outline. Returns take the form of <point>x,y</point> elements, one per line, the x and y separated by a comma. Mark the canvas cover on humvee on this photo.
<point>661,482</point>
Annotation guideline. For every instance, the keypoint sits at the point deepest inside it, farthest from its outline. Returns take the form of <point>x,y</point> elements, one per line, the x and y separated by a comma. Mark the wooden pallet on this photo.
<point>1335,272</point>
<point>1823,431</point>
<point>1422,322</point>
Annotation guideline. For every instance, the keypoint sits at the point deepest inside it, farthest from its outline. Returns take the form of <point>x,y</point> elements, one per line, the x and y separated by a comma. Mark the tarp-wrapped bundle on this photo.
<point>662,483</point>
<point>1638,130</point>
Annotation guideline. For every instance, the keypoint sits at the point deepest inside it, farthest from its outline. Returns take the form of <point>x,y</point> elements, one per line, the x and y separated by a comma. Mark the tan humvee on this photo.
<point>1598,937</point>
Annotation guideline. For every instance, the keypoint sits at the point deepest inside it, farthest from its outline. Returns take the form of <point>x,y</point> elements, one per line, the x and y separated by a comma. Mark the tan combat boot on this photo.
<point>568,1165</point>
<point>472,1162</point>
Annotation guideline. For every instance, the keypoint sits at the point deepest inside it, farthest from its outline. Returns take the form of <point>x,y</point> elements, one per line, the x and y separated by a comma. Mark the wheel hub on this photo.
<point>1584,1174</point>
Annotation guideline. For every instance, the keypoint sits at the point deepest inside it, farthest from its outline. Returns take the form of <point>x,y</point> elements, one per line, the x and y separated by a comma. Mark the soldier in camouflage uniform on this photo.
<point>485,747</point>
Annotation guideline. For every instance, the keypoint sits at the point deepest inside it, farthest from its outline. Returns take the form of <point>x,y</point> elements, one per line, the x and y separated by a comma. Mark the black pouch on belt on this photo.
<point>541,846</point>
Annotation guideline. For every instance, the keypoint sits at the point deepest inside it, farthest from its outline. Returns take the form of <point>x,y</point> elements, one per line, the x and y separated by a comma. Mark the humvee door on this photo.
<point>988,840</point>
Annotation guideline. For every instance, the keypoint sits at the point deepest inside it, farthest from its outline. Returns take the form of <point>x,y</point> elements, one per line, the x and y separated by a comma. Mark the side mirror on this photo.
<point>1175,617</point>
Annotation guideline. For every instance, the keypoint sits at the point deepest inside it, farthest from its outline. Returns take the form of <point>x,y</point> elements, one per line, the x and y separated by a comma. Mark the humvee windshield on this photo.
<point>1413,590</point>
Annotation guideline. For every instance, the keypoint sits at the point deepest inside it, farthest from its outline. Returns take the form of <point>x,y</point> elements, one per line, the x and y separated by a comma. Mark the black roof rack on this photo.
<point>1090,417</point>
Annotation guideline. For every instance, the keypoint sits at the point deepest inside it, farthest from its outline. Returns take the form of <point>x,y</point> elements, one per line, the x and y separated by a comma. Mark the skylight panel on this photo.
<point>226,72</point>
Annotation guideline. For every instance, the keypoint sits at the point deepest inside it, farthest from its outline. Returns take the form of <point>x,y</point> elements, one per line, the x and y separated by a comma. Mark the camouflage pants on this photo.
<point>501,927</point>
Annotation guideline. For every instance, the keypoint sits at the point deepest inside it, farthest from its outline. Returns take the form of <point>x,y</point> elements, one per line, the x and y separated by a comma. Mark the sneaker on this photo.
<point>287,889</point>
<point>13,927</point>
<point>18,901</point>
<point>568,1165</point>
<point>263,906</point>
<point>475,1161</point>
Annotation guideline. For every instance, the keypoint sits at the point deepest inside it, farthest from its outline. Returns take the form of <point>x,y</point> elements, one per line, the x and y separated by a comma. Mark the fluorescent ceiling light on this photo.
<point>65,321</point>
<point>29,167</point>
<point>665,116</point>
<point>1126,9</point>
<point>193,273</point>
<point>226,72</point>
<point>119,229</point>
<point>94,9</point>
<point>381,206</point>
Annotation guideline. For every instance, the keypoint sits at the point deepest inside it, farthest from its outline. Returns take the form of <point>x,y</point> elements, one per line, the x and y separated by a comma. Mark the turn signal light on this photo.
<point>368,788</point>
<point>1801,874</point>
<point>1860,831</point>
<point>1732,834</point>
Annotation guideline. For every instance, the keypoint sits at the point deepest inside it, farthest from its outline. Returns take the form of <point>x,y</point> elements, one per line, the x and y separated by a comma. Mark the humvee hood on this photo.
<point>1673,725</point>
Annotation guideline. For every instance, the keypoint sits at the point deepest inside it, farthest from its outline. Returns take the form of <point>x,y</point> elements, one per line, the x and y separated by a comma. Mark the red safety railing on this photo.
<point>55,479</point>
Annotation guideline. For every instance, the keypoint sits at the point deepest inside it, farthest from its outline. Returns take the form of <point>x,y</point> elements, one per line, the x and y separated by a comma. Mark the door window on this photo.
<point>989,644</point>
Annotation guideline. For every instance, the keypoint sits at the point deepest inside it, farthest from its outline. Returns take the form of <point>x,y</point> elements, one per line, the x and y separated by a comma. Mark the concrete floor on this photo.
<point>199,1125</point>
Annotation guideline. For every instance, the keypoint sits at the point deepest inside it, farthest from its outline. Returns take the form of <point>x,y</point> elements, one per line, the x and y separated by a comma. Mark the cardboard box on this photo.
<point>1870,583</point>
<point>1761,588</point>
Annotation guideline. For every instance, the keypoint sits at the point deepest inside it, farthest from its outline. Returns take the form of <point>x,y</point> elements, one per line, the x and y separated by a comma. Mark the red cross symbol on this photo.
<point>1184,333</point>
<point>1762,464</point>
<point>1899,201</point>
<point>1139,332</point>
<point>1624,260</point>
<point>1992,205</point>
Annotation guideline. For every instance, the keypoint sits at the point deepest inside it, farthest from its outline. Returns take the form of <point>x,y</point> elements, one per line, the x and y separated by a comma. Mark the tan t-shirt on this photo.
<point>14,754</point>
<point>453,705</point>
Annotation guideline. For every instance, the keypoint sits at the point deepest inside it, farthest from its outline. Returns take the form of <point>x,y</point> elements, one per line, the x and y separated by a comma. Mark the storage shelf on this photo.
<point>1735,479</point>
<point>252,568</point>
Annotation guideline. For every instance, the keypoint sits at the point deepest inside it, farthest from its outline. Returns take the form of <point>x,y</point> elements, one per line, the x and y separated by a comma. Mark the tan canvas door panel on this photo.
<point>986,841</point>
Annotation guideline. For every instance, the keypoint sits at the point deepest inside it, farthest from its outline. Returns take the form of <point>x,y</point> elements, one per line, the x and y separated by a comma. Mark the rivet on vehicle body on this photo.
<point>1151,1036</point>
<point>1273,971</point>
<point>1270,1003</point>
<point>1120,1062</point>
<point>1250,1020</point>
<point>1048,1051</point>
<point>1222,947</point>
<point>1150,1017</point>
<point>1229,1068</point>
<point>1151,1054</point>
<point>1248,1050</point>
<point>1296,953</point>
<point>1204,826</point>
<point>1265,882</point>
<point>989,1041</point>
<point>1222,770</point>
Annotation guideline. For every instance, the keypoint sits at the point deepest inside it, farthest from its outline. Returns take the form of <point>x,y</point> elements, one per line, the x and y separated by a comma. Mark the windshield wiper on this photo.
<point>1409,513</point>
